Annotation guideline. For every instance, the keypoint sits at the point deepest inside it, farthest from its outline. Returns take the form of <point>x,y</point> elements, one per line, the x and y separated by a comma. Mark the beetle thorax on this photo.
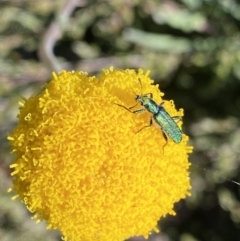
<point>142,100</point>
<point>148,103</point>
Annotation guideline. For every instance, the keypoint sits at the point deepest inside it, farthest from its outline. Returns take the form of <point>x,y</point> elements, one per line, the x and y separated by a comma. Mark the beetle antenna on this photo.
<point>140,84</point>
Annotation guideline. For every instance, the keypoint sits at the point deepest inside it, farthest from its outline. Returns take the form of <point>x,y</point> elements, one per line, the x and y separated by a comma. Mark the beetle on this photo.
<point>159,115</point>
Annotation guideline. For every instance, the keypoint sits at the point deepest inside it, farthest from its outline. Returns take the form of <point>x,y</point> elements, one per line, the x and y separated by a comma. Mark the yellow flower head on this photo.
<point>81,166</point>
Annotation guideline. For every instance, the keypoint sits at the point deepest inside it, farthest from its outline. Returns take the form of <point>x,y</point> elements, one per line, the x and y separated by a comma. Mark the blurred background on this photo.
<point>192,48</point>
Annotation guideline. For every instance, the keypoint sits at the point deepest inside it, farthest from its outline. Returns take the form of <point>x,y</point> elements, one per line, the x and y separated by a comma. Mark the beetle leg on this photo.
<point>138,111</point>
<point>166,139</point>
<point>150,123</point>
<point>129,109</point>
<point>161,103</point>
<point>165,136</point>
<point>149,94</point>
<point>177,118</point>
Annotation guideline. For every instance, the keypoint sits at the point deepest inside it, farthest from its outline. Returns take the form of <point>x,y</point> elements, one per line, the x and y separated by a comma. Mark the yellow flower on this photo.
<point>81,166</point>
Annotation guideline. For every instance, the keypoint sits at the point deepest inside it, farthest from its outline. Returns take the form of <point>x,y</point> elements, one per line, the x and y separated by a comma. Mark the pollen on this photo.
<point>80,166</point>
